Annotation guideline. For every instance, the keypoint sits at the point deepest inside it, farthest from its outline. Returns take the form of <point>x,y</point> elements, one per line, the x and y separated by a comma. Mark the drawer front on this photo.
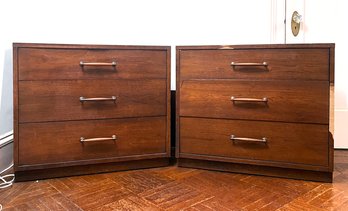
<point>51,64</point>
<point>285,142</point>
<point>60,100</point>
<point>288,101</point>
<point>302,64</point>
<point>48,143</point>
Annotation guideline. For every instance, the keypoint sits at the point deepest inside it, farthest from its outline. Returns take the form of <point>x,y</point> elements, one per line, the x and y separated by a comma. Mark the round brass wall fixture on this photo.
<point>295,23</point>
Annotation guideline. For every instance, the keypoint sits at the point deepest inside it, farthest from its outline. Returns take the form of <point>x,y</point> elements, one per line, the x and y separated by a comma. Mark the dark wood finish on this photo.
<point>302,145</point>
<point>295,81</point>
<point>177,104</point>
<point>90,46</point>
<point>53,64</point>
<point>173,188</point>
<point>61,99</point>
<point>59,142</point>
<point>173,123</point>
<point>321,176</point>
<point>332,65</point>
<point>49,117</point>
<point>303,64</point>
<point>168,103</point>
<point>90,169</point>
<point>257,46</point>
<point>288,101</point>
<point>15,105</point>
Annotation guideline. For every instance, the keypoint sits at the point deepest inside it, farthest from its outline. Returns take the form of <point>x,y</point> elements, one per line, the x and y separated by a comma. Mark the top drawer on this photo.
<point>51,64</point>
<point>301,64</point>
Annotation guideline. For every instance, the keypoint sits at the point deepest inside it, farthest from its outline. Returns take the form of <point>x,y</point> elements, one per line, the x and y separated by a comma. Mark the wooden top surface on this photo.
<point>257,46</point>
<point>88,46</point>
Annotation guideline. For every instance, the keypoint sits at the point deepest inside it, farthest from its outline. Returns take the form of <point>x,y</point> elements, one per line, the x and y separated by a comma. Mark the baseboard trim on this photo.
<point>4,135</point>
<point>6,139</point>
<point>90,169</point>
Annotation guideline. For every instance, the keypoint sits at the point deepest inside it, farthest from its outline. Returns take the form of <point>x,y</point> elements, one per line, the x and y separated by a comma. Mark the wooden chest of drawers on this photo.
<point>259,109</point>
<point>90,108</point>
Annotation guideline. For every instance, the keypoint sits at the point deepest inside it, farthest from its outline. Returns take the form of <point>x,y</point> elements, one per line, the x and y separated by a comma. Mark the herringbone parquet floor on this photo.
<point>173,188</point>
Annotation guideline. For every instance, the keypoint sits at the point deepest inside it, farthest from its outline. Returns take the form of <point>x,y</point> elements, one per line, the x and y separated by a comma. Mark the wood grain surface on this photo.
<point>50,118</point>
<point>55,64</point>
<point>281,90</point>
<point>59,142</point>
<point>288,101</point>
<point>173,188</point>
<point>301,144</point>
<point>301,64</point>
<point>41,101</point>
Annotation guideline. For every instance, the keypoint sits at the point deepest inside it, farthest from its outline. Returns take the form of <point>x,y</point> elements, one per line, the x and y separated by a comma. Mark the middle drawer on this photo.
<point>60,100</point>
<point>288,101</point>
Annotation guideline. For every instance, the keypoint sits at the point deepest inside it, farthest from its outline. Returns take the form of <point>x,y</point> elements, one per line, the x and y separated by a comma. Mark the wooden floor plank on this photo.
<point>175,188</point>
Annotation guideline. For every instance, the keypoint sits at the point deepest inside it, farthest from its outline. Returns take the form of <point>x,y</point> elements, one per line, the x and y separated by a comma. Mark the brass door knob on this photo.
<point>296,23</point>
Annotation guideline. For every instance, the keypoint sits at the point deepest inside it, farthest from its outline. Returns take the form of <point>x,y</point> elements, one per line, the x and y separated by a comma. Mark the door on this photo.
<point>323,21</point>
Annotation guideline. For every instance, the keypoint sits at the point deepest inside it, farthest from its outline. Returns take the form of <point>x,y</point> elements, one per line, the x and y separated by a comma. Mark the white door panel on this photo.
<point>291,6</point>
<point>278,21</point>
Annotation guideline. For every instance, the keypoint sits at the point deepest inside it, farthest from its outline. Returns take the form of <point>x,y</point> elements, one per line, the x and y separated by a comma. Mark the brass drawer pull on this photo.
<point>113,63</point>
<point>241,99</point>
<point>233,64</point>
<point>241,65</point>
<point>84,99</point>
<point>234,138</point>
<point>112,138</point>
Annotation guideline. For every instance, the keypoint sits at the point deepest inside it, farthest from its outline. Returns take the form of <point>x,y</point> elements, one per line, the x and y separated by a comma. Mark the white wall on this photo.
<point>129,22</point>
<point>341,85</point>
<point>326,21</point>
<point>6,94</point>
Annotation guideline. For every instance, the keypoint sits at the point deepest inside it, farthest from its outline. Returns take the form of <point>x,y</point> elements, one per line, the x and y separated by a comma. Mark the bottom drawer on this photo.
<point>284,142</point>
<point>57,142</point>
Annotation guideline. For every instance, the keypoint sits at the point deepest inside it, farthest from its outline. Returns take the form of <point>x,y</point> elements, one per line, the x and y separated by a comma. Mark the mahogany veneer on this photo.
<point>90,108</point>
<point>260,109</point>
